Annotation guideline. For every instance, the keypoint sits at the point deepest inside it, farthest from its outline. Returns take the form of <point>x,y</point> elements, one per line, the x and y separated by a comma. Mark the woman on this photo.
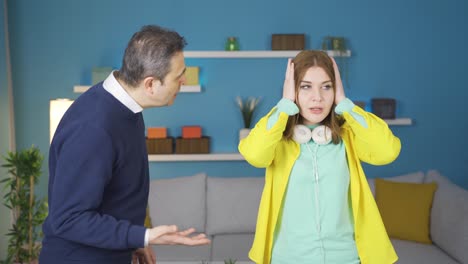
<point>316,206</point>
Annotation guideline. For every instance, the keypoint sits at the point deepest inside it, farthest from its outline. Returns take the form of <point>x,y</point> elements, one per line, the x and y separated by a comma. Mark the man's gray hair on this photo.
<point>149,53</point>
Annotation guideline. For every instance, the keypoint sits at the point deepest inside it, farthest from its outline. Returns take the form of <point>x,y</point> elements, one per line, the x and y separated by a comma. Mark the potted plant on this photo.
<point>28,211</point>
<point>247,107</point>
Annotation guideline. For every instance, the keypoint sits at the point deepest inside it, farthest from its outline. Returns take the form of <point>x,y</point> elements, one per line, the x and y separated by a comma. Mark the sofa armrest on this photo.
<point>449,217</point>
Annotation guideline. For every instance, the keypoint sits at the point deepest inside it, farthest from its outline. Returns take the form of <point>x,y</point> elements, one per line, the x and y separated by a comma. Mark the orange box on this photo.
<point>157,132</point>
<point>191,132</point>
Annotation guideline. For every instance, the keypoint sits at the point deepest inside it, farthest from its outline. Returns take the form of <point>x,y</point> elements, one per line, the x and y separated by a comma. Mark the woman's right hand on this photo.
<point>289,86</point>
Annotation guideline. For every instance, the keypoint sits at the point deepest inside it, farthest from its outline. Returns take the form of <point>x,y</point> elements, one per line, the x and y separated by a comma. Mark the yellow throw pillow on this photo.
<point>148,219</point>
<point>405,209</point>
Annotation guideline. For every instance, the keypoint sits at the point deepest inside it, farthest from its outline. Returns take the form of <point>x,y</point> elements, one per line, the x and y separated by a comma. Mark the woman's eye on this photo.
<point>327,87</point>
<point>305,86</point>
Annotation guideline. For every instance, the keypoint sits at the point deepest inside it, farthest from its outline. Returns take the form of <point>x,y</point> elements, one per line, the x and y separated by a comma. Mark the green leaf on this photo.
<point>4,180</point>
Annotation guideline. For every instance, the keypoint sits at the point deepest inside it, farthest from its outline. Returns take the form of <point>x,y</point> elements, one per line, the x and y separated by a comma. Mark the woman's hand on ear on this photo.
<point>289,85</point>
<point>339,90</point>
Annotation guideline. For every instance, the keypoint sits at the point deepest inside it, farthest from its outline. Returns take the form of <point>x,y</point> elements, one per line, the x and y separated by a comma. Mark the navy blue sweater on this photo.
<point>98,184</point>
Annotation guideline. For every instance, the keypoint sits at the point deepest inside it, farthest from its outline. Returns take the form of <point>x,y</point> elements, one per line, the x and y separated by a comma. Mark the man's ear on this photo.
<point>151,85</point>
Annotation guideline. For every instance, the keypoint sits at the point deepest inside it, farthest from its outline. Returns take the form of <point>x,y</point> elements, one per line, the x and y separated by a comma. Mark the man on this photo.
<point>99,176</point>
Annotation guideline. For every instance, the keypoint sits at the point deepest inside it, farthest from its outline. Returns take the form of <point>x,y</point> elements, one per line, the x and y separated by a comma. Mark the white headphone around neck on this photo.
<point>321,135</point>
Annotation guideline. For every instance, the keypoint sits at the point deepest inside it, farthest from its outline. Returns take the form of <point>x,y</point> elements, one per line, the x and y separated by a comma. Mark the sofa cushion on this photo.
<point>232,246</point>
<point>232,204</point>
<point>415,177</point>
<point>449,218</point>
<point>179,201</point>
<point>405,208</point>
<point>416,253</point>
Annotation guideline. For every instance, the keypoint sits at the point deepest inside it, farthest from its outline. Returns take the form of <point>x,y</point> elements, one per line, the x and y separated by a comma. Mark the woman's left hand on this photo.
<point>339,92</point>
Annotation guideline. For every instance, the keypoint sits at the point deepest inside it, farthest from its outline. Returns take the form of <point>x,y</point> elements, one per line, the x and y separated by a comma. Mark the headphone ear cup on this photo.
<point>322,135</point>
<point>301,134</point>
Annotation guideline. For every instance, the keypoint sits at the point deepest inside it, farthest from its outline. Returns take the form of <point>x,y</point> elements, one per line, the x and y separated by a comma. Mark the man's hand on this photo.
<point>144,256</point>
<point>169,235</point>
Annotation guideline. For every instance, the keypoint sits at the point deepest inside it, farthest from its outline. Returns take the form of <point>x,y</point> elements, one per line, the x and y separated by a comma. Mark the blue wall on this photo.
<point>412,51</point>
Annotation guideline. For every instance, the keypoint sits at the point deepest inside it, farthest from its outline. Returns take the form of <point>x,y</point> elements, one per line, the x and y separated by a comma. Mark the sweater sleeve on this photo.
<point>83,169</point>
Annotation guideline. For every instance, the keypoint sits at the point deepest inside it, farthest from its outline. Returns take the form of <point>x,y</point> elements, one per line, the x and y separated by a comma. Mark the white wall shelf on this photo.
<point>257,54</point>
<point>195,157</point>
<point>238,156</point>
<point>399,121</point>
<point>183,88</point>
<point>80,88</point>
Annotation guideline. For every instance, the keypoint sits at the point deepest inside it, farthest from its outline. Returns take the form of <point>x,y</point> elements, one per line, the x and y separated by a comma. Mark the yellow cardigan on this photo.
<point>374,145</point>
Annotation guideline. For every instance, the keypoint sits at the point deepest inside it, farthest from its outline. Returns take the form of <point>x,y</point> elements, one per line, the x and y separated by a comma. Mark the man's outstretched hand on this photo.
<point>169,235</point>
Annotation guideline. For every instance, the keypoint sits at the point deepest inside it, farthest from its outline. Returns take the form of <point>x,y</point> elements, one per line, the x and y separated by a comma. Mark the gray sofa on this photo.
<point>226,210</point>
<point>223,208</point>
<point>448,223</point>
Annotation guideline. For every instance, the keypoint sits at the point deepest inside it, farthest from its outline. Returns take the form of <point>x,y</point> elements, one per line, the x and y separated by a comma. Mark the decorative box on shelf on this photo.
<point>157,141</point>
<point>191,132</point>
<point>156,132</point>
<point>191,75</point>
<point>192,145</point>
<point>287,41</point>
<point>160,145</point>
<point>99,74</point>
<point>384,108</point>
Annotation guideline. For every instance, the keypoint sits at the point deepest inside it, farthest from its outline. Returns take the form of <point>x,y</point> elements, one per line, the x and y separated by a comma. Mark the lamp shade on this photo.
<point>58,107</point>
